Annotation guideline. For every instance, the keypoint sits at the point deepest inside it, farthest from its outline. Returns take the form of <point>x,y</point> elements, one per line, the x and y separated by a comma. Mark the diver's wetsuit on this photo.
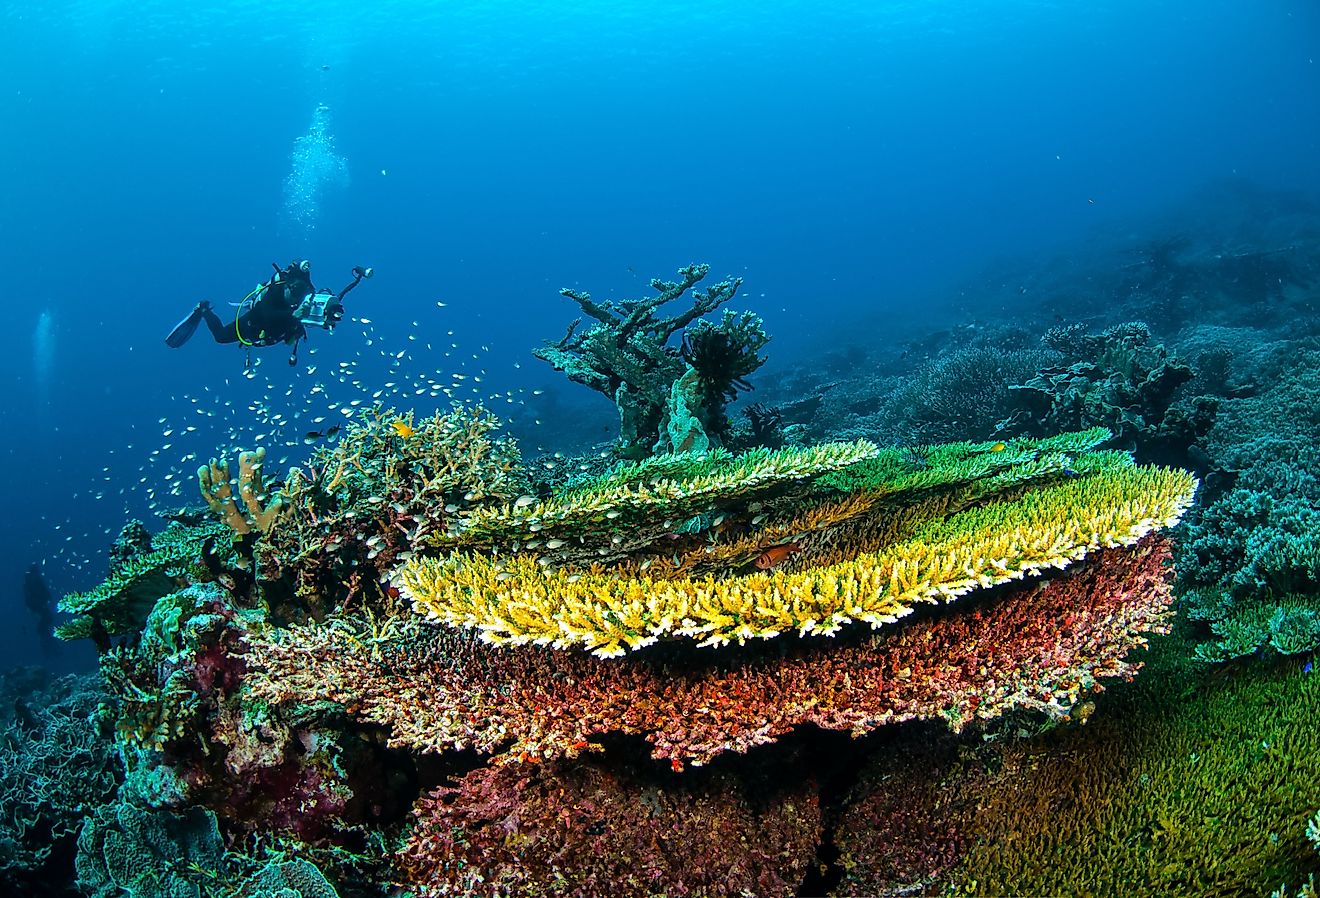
<point>270,319</point>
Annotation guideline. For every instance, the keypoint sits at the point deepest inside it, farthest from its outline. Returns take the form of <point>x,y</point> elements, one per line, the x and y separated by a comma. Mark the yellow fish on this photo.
<point>402,428</point>
<point>997,447</point>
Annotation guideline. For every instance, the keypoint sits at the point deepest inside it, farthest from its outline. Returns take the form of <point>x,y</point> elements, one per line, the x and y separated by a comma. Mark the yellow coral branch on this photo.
<point>517,600</point>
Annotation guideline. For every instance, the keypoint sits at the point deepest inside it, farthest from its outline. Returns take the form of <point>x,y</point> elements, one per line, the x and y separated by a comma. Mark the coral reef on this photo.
<point>1043,651</point>
<point>626,356</point>
<point>308,703</point>
<point>127,849</point>
<point>124,849</point>
<point>518,600</point>
<point>389,482</point>
<point>967,393</point>
<point>56,766</point>
<point>141,576</point>
<point>586,829</point>
<point>260,508</point>
<point>1119,380</point>
<point>1190,783</point>
<point>1250,558</point>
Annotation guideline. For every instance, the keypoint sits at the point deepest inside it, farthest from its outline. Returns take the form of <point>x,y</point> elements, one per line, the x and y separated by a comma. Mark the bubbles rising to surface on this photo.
<point>43,356</point>
<point>315,169</point>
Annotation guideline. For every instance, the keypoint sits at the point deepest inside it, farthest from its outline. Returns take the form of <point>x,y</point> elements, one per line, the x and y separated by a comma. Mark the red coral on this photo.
<point>574,828</point>
<point>1038,645</point>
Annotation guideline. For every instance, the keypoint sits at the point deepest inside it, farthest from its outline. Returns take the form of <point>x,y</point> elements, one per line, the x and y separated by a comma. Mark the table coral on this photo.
<point>1038,646</point>
<point>519,600</point>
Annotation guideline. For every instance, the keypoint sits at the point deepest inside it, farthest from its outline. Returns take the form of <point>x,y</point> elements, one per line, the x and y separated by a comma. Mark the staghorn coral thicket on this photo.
<point>521,599</point>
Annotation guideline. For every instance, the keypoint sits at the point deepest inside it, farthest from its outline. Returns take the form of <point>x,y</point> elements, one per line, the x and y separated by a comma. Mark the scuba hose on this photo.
<point>249,301</point>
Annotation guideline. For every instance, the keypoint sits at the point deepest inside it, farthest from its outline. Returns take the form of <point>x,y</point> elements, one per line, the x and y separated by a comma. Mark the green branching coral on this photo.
<point>391,481</point>
<point>1256,548</point>
<point>626,354</point>
<point>154,680</point>
<point>633,504</point>
<point>1288,625</point>
<point>122,602</point>
<point>1190,784</point>
<point>453,457</point>
<point>914,469</point>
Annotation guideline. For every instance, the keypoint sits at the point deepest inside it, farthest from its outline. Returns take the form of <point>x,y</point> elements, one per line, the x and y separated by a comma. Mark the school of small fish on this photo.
<point>288,411</point>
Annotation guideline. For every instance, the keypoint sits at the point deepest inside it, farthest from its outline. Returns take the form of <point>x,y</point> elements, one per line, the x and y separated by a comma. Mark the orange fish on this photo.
<point>402,428</point>
<point>775,556</point>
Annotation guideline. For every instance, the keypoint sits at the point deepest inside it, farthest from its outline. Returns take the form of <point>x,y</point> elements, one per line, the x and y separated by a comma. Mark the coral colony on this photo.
<point>402,665</point>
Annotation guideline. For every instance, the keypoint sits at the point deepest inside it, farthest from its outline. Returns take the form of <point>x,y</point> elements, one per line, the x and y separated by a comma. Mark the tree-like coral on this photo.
<point>626,356</point>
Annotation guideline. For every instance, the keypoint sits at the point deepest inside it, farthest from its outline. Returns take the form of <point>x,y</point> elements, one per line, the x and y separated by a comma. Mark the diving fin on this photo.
<point>184,330</point>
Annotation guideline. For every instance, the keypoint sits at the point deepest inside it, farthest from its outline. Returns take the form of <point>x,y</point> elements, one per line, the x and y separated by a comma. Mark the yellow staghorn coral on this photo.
<point>519,600</point>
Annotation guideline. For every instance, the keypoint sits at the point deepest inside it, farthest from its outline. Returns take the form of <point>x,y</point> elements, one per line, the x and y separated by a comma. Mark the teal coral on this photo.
<point>135,852</point>
<point>296,878</point>
<point>1250,560</point>
<point>121,603</point>
<point>57,763</point>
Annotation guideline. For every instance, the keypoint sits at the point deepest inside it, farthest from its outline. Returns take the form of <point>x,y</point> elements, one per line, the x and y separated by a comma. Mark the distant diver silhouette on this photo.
<point>37,597</point>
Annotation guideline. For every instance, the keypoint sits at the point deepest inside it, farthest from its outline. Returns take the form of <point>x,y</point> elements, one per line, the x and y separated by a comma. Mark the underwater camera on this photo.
<point>321,310</point>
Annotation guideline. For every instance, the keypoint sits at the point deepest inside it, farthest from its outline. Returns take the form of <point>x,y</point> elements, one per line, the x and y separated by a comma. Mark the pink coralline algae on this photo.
<point>1040,645</point>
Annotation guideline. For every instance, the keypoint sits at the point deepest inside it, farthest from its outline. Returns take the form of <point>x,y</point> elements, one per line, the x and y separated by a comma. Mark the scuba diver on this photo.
<point>278,311</point>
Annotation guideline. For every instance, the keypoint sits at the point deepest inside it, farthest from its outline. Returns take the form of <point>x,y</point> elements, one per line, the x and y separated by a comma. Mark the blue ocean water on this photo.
<point>853,162</point>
